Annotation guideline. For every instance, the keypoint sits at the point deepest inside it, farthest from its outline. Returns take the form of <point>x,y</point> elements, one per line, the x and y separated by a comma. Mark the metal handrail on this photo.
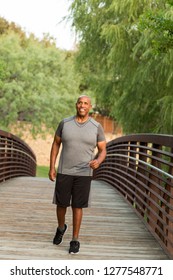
<point>140,167</point>
<point>143,162</point>
<point>16,157</point>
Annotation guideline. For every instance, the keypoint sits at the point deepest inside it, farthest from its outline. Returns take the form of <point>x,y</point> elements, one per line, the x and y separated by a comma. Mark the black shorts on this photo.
<point>72,190</point>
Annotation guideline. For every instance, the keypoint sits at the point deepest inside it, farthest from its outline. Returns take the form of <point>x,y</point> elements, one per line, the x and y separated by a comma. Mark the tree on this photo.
<point>38,82</point>
<point>117,52</point>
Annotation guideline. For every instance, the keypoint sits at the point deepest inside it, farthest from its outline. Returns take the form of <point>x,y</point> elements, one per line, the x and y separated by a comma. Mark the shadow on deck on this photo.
<point>110,229</point>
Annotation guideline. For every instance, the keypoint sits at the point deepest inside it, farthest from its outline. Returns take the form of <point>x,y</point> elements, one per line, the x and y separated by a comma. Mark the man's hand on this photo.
<point>52,174</point>
<point>94,164</point>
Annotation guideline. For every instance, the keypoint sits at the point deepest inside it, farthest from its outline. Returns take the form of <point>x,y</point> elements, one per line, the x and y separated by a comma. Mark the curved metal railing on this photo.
<point>140,167</point>
<point>16,157</point>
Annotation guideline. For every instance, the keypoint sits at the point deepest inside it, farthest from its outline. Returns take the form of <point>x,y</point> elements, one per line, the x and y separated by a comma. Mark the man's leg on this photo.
<point>62,197</point>
<point>77,219</point>
<point>60,211</point>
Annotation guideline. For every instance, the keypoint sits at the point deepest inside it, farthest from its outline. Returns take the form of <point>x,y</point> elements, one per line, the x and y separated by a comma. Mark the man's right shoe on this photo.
<point>59,235</point>
<point>74,247</point>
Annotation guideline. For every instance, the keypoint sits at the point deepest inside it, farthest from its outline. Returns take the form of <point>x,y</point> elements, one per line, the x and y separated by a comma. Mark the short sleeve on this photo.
<point>59,129</point>
<point>101,135</point>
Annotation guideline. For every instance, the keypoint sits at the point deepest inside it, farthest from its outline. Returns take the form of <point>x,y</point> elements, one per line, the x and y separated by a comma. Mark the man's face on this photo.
<point>83,106</point>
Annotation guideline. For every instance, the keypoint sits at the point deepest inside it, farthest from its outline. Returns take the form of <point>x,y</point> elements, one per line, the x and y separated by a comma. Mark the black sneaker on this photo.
<point>59,235</point>
<point>74,247</point>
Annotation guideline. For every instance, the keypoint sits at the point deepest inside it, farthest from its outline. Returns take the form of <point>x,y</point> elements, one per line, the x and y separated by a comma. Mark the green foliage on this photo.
<point>160,28</point>
<point>4,25</point>
<point>126,57</point>
<point>38,82</point>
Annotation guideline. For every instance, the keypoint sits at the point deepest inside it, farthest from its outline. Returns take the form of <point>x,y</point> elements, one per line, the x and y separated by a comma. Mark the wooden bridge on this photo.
<point>131,211</point>
<point>110,229</point>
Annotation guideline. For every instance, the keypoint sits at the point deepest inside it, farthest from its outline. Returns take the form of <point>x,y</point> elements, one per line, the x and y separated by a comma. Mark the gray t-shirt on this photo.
<point>79,141</point>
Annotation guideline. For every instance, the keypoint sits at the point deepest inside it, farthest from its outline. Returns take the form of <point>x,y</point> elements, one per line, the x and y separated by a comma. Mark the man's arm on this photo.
<point>101,155</point>
<point>53,156</point>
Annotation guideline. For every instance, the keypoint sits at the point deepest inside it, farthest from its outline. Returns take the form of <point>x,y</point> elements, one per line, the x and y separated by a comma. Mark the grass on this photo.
<point>42,171</point>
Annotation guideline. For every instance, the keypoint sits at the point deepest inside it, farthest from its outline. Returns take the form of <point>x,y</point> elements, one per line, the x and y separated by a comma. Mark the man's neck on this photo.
<point>81,119</point>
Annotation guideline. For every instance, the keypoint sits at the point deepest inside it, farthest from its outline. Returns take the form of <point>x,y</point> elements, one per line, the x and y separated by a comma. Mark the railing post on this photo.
<point>154,191</point>
<point>132,172</point>
<point>142,176</point>
<point>169,232</point>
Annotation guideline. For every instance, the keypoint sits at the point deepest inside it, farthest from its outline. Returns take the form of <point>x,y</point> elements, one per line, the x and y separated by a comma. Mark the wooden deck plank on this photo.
<point>110,229</point>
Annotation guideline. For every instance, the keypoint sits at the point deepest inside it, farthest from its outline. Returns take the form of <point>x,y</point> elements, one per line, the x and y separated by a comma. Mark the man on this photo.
<point>79,136</point>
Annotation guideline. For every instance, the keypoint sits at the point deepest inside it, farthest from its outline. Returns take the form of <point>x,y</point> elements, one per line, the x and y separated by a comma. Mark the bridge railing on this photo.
<point>140,167</point>
<point>16,157</point>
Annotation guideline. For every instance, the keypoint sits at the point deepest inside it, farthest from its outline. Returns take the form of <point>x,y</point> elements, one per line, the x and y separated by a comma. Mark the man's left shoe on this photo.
<point>59,235</point>
<point>74,247</point>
